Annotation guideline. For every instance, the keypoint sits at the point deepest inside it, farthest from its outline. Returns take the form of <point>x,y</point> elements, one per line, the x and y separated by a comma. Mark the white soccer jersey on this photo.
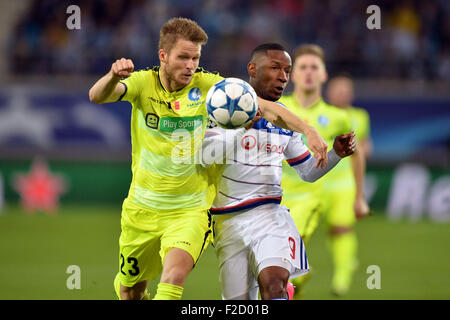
<point>252,174</point>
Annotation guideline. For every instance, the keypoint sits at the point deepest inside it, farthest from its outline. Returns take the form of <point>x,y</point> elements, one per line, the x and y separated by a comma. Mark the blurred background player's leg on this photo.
<point>342,240</point>
<point>348,204</point>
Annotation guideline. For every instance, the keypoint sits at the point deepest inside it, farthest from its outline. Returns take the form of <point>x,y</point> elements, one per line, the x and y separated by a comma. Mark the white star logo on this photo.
<point>18,119</point>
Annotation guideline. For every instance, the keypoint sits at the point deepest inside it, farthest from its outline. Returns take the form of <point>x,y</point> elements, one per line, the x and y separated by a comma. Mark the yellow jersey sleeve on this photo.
<point>134,85</point>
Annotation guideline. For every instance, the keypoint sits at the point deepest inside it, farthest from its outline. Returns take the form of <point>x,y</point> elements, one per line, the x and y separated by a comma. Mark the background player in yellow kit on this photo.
<point>335,194</point>
<point>165,225</point>
<point>340,93</point>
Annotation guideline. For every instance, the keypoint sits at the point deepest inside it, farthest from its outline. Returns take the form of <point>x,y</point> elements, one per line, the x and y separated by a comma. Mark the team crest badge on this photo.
<point>323,120</point>
<point>195,94</point>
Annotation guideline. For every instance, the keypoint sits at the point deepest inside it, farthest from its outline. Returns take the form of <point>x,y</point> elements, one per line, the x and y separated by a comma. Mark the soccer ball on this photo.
<point>231,103</point>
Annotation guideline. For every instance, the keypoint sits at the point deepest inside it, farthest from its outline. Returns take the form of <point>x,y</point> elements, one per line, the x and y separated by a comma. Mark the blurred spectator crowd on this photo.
<point>413,42</point>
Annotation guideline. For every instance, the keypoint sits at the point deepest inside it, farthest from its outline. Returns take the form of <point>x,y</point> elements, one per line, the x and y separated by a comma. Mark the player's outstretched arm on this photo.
<point>344,145</point>
<point>358,162</point>
<point>283,118</point>
<point>108,89</point>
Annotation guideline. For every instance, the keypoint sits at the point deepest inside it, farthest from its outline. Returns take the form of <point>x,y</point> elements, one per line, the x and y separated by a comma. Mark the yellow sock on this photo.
<point>167,291</point>
<point>343,249</point>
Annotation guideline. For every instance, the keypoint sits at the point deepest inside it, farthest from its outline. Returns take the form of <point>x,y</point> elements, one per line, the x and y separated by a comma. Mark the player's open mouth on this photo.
<point>279,89</point>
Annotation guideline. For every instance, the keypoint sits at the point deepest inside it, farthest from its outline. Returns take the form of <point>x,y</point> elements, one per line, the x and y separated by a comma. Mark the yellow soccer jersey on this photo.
<point>329,121</point>
<point>167,129</point>
<point>360,122</point>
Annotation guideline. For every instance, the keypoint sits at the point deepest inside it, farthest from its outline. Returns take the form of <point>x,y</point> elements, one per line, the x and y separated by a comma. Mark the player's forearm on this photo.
<point>282,117</point>
<point>366,146</point>
<point>359,169</point>
<point>102,90</point>
<point>308,171</point>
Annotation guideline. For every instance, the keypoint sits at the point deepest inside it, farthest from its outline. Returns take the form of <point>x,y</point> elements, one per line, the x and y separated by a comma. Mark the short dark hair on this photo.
<point>263,48</point>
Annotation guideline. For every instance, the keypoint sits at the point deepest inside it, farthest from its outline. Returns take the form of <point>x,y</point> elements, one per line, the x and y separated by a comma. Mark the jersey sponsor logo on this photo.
<point>271,148</point>
<point>152,120</point>
<point>170,124</point>
<point>194,94</point>
<point>249,142</point>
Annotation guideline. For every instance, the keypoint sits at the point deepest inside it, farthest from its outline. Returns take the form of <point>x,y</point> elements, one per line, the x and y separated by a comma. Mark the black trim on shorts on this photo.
<point>206,236</point>
<point>203,245</point>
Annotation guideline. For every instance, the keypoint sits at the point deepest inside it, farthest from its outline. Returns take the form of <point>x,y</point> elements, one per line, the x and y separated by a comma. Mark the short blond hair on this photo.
<point>312,49</point>
<point>183,28</point>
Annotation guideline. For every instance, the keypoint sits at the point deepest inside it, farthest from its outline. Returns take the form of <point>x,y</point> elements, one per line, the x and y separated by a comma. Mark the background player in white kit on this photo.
<point>256,240</point>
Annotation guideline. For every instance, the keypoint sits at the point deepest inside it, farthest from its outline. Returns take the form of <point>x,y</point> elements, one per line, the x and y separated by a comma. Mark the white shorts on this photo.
<point>248,241</point>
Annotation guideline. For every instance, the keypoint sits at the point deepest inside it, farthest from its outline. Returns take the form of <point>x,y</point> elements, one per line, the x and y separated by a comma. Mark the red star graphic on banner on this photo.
<point>39,189</point>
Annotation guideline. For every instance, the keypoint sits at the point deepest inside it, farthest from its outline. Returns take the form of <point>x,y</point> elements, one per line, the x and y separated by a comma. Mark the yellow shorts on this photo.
<point>306,210</point>
<point>147,236</point>
<point>338,207</point>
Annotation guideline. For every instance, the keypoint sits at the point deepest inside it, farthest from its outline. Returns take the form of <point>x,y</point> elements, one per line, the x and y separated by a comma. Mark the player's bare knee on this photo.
<point>176,276</point>
<point>177,265</point>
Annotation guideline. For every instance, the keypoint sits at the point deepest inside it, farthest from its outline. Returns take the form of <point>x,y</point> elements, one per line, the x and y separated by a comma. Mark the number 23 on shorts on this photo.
<point>132,262</point>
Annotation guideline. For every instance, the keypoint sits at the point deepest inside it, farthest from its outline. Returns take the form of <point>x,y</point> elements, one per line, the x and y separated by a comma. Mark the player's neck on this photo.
<point>168,83</point>
<point>307,99</point>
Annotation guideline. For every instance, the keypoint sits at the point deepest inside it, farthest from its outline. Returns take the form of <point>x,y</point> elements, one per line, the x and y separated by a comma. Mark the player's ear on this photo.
<point>251,69</point>
<point>162,54</point>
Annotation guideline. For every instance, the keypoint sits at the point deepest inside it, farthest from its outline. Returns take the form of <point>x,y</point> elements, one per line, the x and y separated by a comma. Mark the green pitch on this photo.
<point>36,251</point>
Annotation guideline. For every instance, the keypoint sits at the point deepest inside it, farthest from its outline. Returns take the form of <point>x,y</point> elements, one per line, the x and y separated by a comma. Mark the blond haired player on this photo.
<point>165,223</point>
<point>340,193</point>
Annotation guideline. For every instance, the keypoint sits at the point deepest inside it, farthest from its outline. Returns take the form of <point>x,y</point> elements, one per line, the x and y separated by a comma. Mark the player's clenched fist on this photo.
<point>122,68</point>
<point>345,144</point>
